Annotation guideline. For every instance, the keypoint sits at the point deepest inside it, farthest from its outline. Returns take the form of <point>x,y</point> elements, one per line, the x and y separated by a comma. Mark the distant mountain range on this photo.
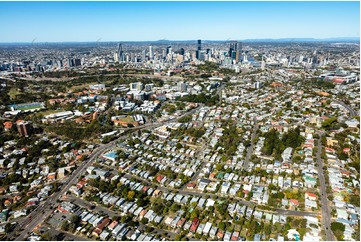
<point>341,39</point>
<point>165,41</point>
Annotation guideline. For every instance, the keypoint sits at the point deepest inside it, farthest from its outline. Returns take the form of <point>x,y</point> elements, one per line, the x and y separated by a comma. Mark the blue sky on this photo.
<point>122,21</point>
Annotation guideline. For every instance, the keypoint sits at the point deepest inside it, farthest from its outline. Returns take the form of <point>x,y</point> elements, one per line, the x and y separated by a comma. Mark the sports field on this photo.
<point>27,106</point>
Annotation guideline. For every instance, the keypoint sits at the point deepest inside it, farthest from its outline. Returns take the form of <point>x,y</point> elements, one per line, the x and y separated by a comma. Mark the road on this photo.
<point>295,213</point>
<point>94,75</point>
<point>45,209</point>
<point>85,204</point>
<point>200,153</point>
<point>352,112</point>
<point>65,236</point>
<point>217,196</point>
<point>326,212</point>
<point>250,148</point>
<point>112,213</point>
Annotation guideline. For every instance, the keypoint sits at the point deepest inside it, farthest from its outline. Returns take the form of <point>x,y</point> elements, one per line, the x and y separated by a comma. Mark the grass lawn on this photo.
<point>237,227</point>
<point>128,119</point>
<point>28,107</point>
<point>44,113</point>
<point>13,92</point>
<point>78,88</point>
<point>243,232</point>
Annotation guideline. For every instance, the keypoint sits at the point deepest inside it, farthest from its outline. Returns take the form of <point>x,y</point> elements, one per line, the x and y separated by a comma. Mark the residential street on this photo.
<point>250,148</point>
<point>111,213</point>
<point>326,211</point>
<point>44,210</point>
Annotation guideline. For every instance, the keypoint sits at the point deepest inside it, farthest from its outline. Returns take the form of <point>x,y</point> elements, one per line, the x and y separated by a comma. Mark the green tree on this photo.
<point>47,237</point>
<point>144,221</point>
<point>131,195</point>
<point>65,226</point>
<point>338,229</point>
<point>222,226</point>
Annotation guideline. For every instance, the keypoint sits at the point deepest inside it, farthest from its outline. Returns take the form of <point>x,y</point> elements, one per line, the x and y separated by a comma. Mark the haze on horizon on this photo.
<point>150,21</point>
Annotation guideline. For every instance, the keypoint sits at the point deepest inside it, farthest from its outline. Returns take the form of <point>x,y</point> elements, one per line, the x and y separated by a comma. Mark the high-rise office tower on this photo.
<point>245,58</point>
<point>116,59</point>
<point>169,50</point>
<point>77,62</point>
<point>202,55</point>
<point>239,52</point>
<point>143,55</point>
<point>199,48</point>
<point>132,57</point>
<point>300,60</point>
<point>120,53</point>
<point>151,55</point>
<point>231,49</point>
<point>235,50</point>
<point>181,51</point>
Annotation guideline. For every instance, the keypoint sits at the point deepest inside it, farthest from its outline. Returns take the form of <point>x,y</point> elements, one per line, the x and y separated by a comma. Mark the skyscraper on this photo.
<point>199,48</point>
<point>151,55</point>
<point>120,53</point>
<point>239,52</point>
<point>235,50</point>
<point>77,62</point>
<point>231,48</point>
<point>143,55</point>
<point>169,49</point>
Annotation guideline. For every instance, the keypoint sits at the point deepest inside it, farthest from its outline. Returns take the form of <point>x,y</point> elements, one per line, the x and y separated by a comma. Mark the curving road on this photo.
<point>352,112</point>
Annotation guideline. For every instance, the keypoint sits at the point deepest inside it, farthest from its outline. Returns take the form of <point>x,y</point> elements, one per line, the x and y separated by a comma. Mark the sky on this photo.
<point>141,21</point>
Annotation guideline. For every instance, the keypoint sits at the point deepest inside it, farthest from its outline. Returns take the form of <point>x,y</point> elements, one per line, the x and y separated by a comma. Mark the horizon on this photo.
<point>299,39</point>
<point>45,22</point>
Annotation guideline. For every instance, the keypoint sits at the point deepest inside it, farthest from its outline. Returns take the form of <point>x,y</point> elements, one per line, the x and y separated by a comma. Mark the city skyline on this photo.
<point>180,121</point>
<point>151,21</point>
